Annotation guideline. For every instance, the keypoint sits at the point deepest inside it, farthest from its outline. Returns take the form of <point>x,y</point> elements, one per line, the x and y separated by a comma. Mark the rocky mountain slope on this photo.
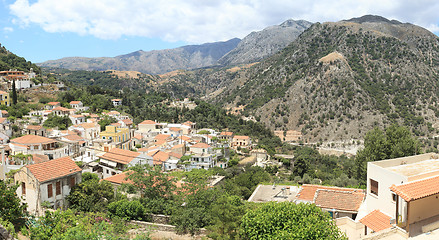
<point>153,62</point>
<point>336,81</point>
<point>259,45</point>
<point>255,47</point>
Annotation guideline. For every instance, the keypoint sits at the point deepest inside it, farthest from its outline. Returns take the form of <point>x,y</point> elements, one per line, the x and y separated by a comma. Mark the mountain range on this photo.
<point>254,47</point>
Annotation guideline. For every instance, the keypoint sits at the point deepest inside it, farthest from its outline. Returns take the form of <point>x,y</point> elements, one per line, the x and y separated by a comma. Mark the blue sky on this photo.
<point>41,30</point>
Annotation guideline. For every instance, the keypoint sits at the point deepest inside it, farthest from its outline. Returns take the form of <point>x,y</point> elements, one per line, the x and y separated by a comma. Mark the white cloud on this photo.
<point>8,29</point>
<point>198,21</point>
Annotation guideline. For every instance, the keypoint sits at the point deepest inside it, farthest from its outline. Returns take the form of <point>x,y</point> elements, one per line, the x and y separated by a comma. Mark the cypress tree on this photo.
<point>14,93</point>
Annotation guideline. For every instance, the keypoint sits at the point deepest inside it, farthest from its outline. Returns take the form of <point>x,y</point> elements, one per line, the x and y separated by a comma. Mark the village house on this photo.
<point>77,119</point>
<point>33,144</point>
<point>52,105</point>
<point>22,79</point>
<point>78,105</point>
<point>241,142</point>
<point>226,136</point>
<point>202,157</point>
<point>120,137</point>
<point>36,130</point>
<point>75,144</point>
<point>172,162</point>
<point>150,126</point>
<point>47,182</point>
<point>117,160</point>
<point>88,131</point>
<point>61,111</point>
<point>116,102</point>
<point>4,98</point>
<point>339,202</point>
<point>406,190</point>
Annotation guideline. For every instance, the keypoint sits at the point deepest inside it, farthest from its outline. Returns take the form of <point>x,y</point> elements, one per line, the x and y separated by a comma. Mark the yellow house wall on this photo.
<point>424,208</point>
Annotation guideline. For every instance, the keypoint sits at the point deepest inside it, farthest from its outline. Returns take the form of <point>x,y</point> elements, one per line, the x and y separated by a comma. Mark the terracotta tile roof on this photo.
<point>176,155</point>
<point>162,137</point>
<point>185,138</point>
<point>376,221</point>
<point>127,121</point>
<point>120,155</point>
<point>88,125</point>
<point>53,103</point>
<point>75,102</point>
<point>175,129</point>
<point>116,100</point>
<point>116,124</point>
<point>77,116</point>
<point>226,133</point>
<point>178,146</point>
<point>138,136</point>
<point>39,158</point>
<point>3,92</point>
<point>32,139</point>
<point>142,150</point>
<point>34,127</point>
<point>160,142</point>
<point>148,122</point>
<point>200,145</point>
<point>73,137</point>
<point>20,145</point>
<point>94,116</point>
<point>2,120</point>
<point>241,137</point>
<point>113,113</point>
<point>340,200</point>
<point>308,191</point>
<point>160,157</point>
<point>118,178</point>
<point>4,112</point>
<point>417,189</point>
<point>53,169</point>
<point>61,109</point>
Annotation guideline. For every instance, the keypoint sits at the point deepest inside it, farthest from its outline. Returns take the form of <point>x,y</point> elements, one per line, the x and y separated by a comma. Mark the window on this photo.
<point>72,181</point>
<point>374,187</point>
<point>394,197</point>
<point>58,188</point>
<point>23,189</point>
<point>49,191</point>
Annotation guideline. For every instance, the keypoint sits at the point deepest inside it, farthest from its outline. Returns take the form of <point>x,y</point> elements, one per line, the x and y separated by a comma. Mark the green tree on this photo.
<point>91,195</point>
<point>226,212</point>
<point>287,220</point>
<point>106,120</point>
<point>62,122</point>
<point>396,141</point>
<point>11,208</point>
<point>14,93</point>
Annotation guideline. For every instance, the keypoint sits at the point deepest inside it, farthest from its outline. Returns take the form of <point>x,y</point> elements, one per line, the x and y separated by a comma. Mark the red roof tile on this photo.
<point>241,137</point>
<point>340,200</point>
<point>376,221</point>
<point>53,169</point>
<point>226,133</point>
<point>118,178</point>
<point>162,137</point>
<point>308,191</point>
<point>32,139</point>
<point>148,122</point>
<point>34,127</point>
<point>53,103</point>
<point>120,155</point>
<point>75,102</point>
<point>417,189</point>
<point>200,145</point>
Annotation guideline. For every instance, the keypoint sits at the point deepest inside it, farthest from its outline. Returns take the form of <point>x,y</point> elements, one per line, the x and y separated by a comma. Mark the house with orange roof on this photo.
<point>339,202</point>
<point>35,130</point>
<point>117,160</point>
<point>61,111</point>
<point>405,189</point>
<point>88,131</point>
<point>47,181</point>
<point>226,136</point>
<point>159,157</point>
<point>75,143</point>
<point>241,142</point>
<point>150,126</point>
<point>179,149</point>
<point>76,104</point>
<point>202,156</point>
<point>52,105</point>
<point>33,144</point>
<point>126,123</point>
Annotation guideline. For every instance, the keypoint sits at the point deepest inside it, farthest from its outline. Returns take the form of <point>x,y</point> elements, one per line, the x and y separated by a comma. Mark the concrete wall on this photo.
<point>384,201</point>
<point>424,208</point>
<point>353,230</point>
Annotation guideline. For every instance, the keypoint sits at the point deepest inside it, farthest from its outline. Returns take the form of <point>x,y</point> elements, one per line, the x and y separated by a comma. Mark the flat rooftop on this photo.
<point>417,168</point>
<point>276,193</point>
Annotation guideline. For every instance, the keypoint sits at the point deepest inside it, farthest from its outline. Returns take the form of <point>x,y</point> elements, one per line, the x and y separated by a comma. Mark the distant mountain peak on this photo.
<point>372,18</point>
